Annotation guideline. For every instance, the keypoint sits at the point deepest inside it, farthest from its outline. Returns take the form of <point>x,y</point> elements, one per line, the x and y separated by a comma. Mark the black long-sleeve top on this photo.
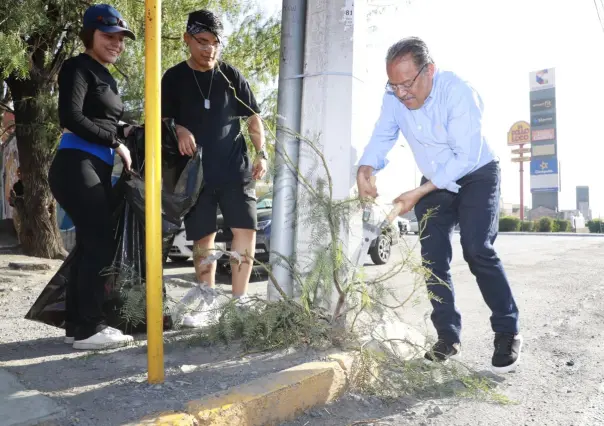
<point>89,103</point>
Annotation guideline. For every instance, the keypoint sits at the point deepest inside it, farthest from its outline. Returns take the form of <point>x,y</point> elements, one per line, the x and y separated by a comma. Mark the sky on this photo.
<point>494,45</point>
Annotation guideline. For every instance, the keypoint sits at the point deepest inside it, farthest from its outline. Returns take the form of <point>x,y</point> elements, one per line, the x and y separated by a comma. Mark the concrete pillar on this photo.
<point>333,118</point>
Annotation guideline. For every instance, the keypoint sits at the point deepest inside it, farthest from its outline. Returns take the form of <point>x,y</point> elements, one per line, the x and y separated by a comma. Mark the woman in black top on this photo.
<point>90,109</point>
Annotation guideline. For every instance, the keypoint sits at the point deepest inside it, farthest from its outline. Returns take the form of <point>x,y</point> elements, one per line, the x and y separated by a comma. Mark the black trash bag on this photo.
<point>181,184</point>
<point>182,181</point>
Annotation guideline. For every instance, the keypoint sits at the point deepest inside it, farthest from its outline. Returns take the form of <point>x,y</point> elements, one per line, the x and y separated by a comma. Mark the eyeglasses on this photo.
<point>112,21</point>
<point>404,86</point>
<point>202,45</point>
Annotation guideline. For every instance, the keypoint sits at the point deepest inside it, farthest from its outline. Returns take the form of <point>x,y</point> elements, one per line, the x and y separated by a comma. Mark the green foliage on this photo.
<point>561,225</point>
<point>253,47</point>
<point>509,224</point>
<point>37,36</point>
<point>596,226</point>
<point>263,326</point>
<point>546,224</point>
<point>389,377</point>
<point>527,226</point>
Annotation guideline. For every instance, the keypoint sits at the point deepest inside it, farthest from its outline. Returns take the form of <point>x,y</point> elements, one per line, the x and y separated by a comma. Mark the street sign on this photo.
<point>519,134</point>
<point>520,159</point>
<point>521,151</point>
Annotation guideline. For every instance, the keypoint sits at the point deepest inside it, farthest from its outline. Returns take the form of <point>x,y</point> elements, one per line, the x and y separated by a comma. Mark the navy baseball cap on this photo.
<point>105,18</point>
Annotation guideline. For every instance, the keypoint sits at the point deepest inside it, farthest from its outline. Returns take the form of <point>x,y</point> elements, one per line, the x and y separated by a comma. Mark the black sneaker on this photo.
<point>507,352</point>
<point>442,351</point>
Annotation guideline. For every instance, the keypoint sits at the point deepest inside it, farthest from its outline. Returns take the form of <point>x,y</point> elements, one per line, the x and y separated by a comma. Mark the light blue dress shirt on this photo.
<point>445,134</point>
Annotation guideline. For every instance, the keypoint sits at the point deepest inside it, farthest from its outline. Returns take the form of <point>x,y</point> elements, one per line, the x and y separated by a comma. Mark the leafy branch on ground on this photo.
<point>382,374</point>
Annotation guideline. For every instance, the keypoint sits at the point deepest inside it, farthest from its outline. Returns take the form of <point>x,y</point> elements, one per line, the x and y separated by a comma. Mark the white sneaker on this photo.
<point>70,339</point>
<point>206,311</point>
<point>108,338</point>
<point>244,303</point>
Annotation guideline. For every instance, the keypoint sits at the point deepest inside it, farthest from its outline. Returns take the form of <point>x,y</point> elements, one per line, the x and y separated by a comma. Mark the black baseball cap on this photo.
<point>107,19</point>
<point>205,21</point>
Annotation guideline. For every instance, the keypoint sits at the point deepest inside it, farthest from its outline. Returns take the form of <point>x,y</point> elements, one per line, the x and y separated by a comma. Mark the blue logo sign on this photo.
<point>548,120</point>
<point>544,166</point>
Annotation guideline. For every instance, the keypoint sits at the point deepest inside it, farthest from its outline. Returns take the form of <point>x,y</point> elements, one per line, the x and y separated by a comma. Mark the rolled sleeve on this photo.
<point>383,138</point>
<point>465,137</point>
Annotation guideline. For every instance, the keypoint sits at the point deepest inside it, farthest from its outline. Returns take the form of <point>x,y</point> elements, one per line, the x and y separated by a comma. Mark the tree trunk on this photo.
<point>37,134</point>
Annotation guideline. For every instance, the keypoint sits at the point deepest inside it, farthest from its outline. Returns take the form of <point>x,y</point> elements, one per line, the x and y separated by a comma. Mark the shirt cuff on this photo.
<point>372,161</point>
<point>441,182</point>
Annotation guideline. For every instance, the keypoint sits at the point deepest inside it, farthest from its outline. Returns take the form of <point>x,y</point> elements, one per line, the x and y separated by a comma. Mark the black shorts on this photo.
<point>237,204</point>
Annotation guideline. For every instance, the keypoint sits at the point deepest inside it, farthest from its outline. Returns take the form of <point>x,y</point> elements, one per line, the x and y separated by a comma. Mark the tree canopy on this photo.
<point>37,36</point>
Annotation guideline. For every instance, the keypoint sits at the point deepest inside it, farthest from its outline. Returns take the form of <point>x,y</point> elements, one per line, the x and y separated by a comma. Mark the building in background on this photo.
<point>583,201</point>
<point>545,173</point>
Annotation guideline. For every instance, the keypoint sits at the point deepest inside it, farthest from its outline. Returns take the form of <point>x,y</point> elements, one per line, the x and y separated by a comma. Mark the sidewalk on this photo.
<point>19,406</point>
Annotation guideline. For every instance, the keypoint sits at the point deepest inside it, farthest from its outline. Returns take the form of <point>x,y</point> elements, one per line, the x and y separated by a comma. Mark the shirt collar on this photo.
<point>432,95</point>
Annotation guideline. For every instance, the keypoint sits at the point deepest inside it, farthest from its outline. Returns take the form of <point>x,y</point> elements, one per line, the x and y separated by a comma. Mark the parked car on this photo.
<point>182,250</point>
<point>414,226</point>
<point>403,225</point>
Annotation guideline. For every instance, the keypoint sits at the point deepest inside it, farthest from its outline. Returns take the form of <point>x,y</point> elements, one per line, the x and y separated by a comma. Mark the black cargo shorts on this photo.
<point>237,204</point>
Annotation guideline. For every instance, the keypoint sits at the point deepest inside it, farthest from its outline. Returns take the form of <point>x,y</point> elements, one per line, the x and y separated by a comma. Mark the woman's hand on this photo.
<point>124,154</point>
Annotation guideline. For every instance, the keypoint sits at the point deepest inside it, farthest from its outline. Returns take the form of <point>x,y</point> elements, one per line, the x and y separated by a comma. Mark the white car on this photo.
<point>414,226</point>
<point>182,249</point>
<point>404,225</point>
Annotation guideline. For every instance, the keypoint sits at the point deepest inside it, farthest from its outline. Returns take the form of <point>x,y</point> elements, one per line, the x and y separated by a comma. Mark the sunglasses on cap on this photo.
<point>112,21</point>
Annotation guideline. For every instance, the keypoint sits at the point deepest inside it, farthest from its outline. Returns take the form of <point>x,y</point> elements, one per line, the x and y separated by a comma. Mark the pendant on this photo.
<point>206,104</point>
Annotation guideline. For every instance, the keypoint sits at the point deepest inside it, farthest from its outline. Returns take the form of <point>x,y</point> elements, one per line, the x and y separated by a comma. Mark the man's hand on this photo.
<point>408,200</point>
<point>186,141</point>
<point>259,169</point>
<point>127,130</point>
<point>365,183</point>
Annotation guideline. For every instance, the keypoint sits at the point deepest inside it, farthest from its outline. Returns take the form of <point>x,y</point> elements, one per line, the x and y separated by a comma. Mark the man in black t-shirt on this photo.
<point>207,98</point>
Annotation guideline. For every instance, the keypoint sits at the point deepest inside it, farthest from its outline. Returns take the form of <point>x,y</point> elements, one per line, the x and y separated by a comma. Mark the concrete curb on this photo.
<point>270,400</point>
<point>169,419</point>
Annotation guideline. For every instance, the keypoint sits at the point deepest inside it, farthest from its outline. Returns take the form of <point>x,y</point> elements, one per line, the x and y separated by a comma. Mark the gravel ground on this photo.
<point>110,387</point>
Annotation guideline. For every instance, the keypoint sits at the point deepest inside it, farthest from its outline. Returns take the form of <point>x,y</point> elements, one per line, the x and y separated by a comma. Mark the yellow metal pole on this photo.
<point>153,240</point>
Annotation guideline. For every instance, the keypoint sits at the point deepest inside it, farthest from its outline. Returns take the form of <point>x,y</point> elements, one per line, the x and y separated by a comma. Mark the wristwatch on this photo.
<point>262,154</point>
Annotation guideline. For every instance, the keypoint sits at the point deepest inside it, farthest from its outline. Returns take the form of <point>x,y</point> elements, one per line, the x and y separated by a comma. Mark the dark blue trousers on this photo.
<point>476,209</point>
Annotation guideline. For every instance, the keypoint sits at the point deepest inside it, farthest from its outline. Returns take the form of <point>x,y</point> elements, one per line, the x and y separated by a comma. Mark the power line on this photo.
<point>598,12</point>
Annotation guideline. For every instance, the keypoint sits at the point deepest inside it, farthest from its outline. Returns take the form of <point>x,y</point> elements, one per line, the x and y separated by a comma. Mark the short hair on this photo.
<point>87,37</point>
<point>413,46</point>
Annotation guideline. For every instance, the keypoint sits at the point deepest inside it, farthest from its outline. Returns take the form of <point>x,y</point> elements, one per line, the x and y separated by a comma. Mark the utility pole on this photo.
<point>289,101</point>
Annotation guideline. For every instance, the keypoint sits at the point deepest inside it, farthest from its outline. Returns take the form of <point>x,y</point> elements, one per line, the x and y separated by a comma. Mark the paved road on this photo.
<point>559,286</point>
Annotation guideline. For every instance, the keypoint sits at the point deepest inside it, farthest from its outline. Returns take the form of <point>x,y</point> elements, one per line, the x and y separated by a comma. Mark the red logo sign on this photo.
<point>544,135</point>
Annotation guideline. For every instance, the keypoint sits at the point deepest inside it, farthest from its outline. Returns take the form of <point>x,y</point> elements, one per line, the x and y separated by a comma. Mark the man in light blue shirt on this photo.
<point>440,116</point>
